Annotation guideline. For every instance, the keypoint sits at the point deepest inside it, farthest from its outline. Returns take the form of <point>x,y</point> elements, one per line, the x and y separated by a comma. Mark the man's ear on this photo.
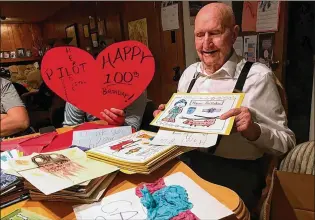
<point>236,30</point>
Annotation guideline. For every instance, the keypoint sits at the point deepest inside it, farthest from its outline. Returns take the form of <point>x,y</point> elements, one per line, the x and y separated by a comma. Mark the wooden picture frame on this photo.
<point>94,39</point>
<point>20,52</point>
<point>86,30</point>
<point>28,53</point>
<point>13,54</point>
<point>6,54</point>
<point>72,33</point>
<point>101,28</point>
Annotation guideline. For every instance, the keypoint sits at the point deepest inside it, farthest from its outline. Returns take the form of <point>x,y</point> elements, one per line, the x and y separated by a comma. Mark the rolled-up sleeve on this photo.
<point>134,112</point>
<point>73,115</point>
<point>270,115</point>
<point>9,97</point>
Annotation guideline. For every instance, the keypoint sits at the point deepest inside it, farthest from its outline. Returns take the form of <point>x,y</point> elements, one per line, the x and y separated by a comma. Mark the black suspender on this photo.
<point>242,77</point>
<point>237,89</point>
<point>192,82</point>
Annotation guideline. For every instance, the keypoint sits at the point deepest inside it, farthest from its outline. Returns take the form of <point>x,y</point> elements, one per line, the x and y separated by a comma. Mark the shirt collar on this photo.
<point>228,68</point>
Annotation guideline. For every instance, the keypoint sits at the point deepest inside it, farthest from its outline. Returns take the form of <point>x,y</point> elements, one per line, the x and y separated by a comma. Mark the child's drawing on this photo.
<point>122,145</point>
<point>177,109</point>
<point>197,122</point>
<point>211,110</point>
<point>135,150</point>
<point>57,164</point>
<point>199,112</point>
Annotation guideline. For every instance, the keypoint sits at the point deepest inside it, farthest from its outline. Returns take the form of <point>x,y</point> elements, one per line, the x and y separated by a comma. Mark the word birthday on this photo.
<point>118,92</point>
<point>124,54</point>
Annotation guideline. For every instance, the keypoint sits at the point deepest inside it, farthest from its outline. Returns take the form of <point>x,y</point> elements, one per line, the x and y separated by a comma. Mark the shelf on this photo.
<point>16,60</point>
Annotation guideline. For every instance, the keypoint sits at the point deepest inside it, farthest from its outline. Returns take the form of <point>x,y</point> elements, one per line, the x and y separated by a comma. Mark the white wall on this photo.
<point>312,122</point>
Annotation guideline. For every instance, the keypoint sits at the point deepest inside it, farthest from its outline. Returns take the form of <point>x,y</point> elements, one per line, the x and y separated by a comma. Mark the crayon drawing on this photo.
<point>177,109</point>
<point>199,112</point>
<point>136,147</point>
<point>57,164</point>
<point>52,172</point>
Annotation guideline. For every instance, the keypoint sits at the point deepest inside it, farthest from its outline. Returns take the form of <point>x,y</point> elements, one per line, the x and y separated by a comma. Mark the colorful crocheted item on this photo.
<point>152,187</point>
<point>166,203</point>
<point>187,215</point>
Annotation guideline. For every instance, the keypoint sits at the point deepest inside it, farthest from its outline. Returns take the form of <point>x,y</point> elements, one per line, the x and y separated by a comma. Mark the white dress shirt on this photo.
<point>262,99</point>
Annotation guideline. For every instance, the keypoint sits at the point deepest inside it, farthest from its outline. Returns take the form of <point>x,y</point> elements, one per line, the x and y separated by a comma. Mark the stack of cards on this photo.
<point>12,189</point>
<point>66,175</point>
<point>134,153</point>
<point>86,192</point>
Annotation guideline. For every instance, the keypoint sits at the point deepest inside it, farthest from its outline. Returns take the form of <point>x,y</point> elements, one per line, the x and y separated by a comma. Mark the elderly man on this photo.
<point>14,117</point>
<point>260,124</point>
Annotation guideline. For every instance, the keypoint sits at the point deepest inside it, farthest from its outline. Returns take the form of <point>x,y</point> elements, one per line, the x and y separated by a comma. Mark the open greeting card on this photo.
<point>174,197</point>
<point>199,112</point>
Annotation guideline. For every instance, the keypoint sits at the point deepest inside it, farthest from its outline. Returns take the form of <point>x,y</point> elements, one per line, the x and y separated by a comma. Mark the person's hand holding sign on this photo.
<point>113,116</point>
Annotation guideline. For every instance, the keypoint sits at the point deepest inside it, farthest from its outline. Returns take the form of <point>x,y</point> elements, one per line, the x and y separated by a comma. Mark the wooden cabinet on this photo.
<point>15,36</point>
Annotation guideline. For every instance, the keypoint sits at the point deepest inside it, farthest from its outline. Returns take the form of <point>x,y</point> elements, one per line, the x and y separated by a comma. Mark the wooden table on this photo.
<point>58,210</point>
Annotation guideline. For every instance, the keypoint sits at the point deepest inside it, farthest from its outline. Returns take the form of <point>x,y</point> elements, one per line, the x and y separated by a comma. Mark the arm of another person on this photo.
<point>15,117</point>
<point>134,112</point>
<point>14,121</point>
<point>73,116</point>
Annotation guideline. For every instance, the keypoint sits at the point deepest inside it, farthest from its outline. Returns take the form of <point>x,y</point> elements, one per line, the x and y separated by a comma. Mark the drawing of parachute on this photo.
<point>204,123</point>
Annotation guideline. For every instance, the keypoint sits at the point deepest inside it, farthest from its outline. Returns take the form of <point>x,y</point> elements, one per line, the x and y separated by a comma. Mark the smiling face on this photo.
<point>215,33</point>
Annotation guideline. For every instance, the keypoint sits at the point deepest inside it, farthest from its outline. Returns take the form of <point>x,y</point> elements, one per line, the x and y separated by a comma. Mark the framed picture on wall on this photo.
<point>28,53</point>
<point>12,54</point>
<point>20,52</point>
<point>6,54</point>
<point>86,31</point>
<point>101,28</point>
<point>94,39</point>
<point>72,33</point>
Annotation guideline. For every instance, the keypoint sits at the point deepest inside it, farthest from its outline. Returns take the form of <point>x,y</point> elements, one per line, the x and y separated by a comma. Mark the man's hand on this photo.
<point>161,108</point>
<point>114,116</point>
<point>243,123</point>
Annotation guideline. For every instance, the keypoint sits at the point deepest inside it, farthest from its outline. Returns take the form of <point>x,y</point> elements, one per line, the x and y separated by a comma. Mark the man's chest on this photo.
<point>214,86</point>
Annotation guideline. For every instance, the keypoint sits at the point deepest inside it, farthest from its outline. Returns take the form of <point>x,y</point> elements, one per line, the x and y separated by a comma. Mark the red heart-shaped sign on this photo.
<point>115,79</point>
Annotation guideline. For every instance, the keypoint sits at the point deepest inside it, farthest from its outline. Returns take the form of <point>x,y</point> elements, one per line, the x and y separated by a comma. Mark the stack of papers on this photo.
<point>12,189</point>
<point>59,174</point>
<point>135,154</point>
<point>87,192</point>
